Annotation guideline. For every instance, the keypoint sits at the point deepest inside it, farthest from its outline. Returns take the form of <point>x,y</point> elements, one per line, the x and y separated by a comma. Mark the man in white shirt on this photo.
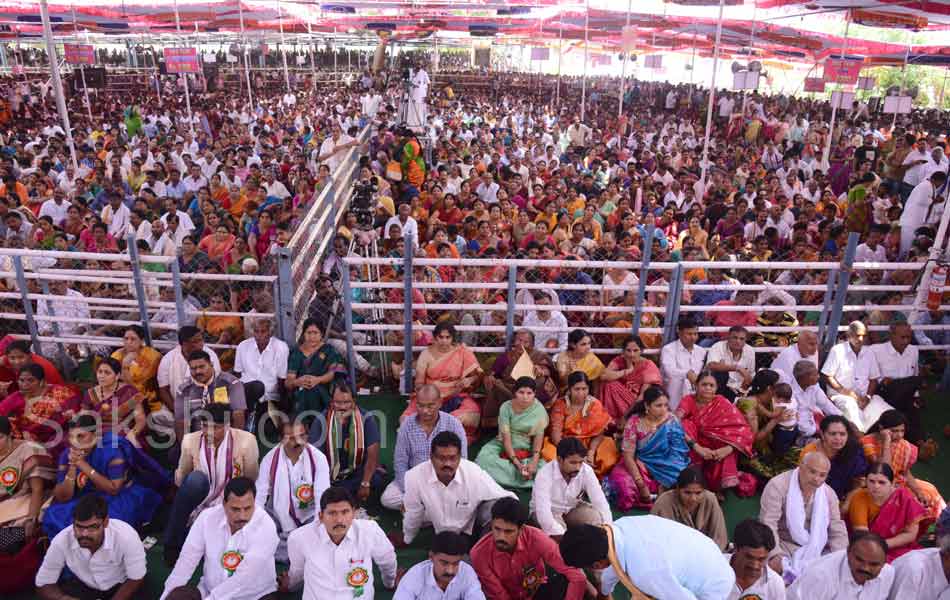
<point>732,362</point>
<point>445,576</point>
<point>579,134</point>
<point>195,180</point>
<point>681,362</point>
<point>174,372</point>
<point>487,190</point>
<point>871,250</point>
<point>806,348</point>
<point>560,485</point>
<point>916,164</point>
<point>923,206</point>
<point>898,363</point>
<point>810,397</point>
<point>925,573</point>
<point>850,372</point>
<point>334,147</point>
<point>237,541</point>
<point>861,571</point>
<point>407,225</point>
<point>753,541</point>
<point>291,477</point>
<point>116,216</point>
<point>261,360</point>
<point>451,493</point>
<point>105,556</point>
<point>334,557</point>
<point>56,208</point>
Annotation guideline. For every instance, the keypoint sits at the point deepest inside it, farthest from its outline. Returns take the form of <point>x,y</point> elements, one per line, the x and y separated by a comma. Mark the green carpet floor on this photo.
<point>936,471</point>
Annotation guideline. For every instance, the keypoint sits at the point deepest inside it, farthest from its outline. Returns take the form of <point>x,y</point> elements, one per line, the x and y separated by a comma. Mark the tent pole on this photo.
<point>623,69</point>
<point>283,46</point>
<point>57,81</point>
<point>704,166</point>
<point>584,82</point>
<point>82,72</point>
<point>313,55</point>
<point>557,90</point>
<point>826,154</point>
<point>184,76</point>
<point>247,58</point>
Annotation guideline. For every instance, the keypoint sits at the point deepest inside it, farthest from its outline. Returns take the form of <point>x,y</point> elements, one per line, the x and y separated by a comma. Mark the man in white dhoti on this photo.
<point>851,373</point>
<point>925,574</point>
<point>923,206</point>
<point>860,572</point>
<point>290,478</point>
<point>802,511</point>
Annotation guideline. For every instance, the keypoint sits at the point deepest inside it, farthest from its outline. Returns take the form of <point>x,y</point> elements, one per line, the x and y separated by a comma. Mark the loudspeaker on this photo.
<point>96,77</point>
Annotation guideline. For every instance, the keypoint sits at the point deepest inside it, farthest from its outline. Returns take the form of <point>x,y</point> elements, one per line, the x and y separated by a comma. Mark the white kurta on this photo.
<point>919,574</point>
<point>675,363</point>
<point>830,578</point>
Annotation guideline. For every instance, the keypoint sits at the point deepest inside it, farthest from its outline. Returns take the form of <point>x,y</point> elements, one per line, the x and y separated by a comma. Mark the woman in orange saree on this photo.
<point>626,377</point>
<point>452,368</point>
<point>716,433</point>
<point>581,415</point>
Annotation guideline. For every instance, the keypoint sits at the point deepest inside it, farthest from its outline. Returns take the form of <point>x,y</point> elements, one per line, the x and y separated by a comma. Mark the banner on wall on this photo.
<point>814,84</point>
<point>540,53</point>
<point>181,60</point>
<point>654,61</point>
<point>842,70</point>
<point>79,54</point>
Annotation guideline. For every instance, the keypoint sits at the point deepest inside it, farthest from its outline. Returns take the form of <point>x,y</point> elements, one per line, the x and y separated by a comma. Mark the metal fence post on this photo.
<point>673,304</point>
<point>642,284</point>
<point>348,316</point>
<point>139,286</point>
<point>510,318</point>
<point>829,294</point>
<point>44,286</point>
<point>284,300</point>
<point>407,315</point>
<point>179,296</point>
<point>27,303</point>
<point>844,277</point>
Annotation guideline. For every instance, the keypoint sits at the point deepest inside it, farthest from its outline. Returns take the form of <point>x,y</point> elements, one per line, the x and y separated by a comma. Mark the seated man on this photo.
<point>205,387</point>
<point>651,556</point>
<point>210,458</point>
<point>414,441</point>
<point>732,362</point>
<point>105,556</point>
<point>681,361</point>
<point>290,477</point>
<point>350,440</point>
<point>174,371</point>
<point>850,372</point>
<point>516,560</point>
<point>803,530</point>
<point>334,557</point>
<point>861,571</point>
<point>452,493</point>
<point>806,348</point>
<point>445,575</point>
<point>899,385</point>
<point>237,541</point>
<point>559,488</point>
<point>925,573</point>
<point>809,398</point>
<point>749,560</point>
<point>261,364</point>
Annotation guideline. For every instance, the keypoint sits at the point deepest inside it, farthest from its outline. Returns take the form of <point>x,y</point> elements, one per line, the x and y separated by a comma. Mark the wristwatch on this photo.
<point>364,484</point>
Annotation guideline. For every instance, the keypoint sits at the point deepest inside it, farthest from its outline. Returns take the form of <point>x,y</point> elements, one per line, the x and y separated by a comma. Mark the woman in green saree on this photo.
<point>310,369</point>
<point>514,457</point>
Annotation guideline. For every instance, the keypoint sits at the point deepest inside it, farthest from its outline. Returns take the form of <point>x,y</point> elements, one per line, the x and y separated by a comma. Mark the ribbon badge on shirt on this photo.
<point>231,560</point>
<point>9,478</point>
<point>236,469</point>
<point>81,480</point>
<point>751,597</point>
<point>304,495</point>
<point>357,578</point>
<point>531,580</point>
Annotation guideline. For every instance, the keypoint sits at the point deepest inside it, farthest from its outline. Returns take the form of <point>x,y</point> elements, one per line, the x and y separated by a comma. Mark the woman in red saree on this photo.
<point>888,510</point>
<point>582,416</point>
<point>39,411</point>
<point>626,377</point>
<point>452,368</point>
<point>716,432</point>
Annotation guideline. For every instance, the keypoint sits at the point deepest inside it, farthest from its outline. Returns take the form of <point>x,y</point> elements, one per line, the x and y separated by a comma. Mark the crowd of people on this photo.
<point>828,437</point>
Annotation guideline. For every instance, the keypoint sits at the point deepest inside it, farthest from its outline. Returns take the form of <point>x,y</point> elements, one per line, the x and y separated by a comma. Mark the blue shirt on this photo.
<point>419,584</point>
<point>669,560</point>
<point>413,446</point>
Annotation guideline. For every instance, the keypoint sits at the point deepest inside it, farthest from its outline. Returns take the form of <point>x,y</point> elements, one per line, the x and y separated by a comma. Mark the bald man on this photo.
<point>803,531</point>
<point>806,348</point>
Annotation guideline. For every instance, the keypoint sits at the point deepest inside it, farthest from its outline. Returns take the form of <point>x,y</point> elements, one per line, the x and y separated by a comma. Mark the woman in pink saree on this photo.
<point>716,433</point>
<point>888,510</point>
<point>626,377</point>
<point>452,368</point>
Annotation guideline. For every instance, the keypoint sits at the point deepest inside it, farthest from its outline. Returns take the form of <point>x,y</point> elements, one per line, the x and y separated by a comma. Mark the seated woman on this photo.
<point>26,475</point>
<point>38,410</point>
<point>117,405</point>
<point>885,443</point>
<point>452,368</point>
<point>838,440</point>
<point>773,436</point>
<point>501,380</point>
<point>888,510</point>
<point>17,355</point>
<point>582,416</point>
<point>578,357</point>
<point>513,458</point>
<point>694,506</point>
<point>221,329</point>
<point>627,377</point>
<point>654,452</point>
<point>140,369</point>
<point>311,368</point>
<point>716,432</point>
<point>107,465</point>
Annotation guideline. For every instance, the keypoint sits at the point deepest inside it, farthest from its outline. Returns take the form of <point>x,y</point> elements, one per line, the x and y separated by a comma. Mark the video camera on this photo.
<point>363,202</point>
